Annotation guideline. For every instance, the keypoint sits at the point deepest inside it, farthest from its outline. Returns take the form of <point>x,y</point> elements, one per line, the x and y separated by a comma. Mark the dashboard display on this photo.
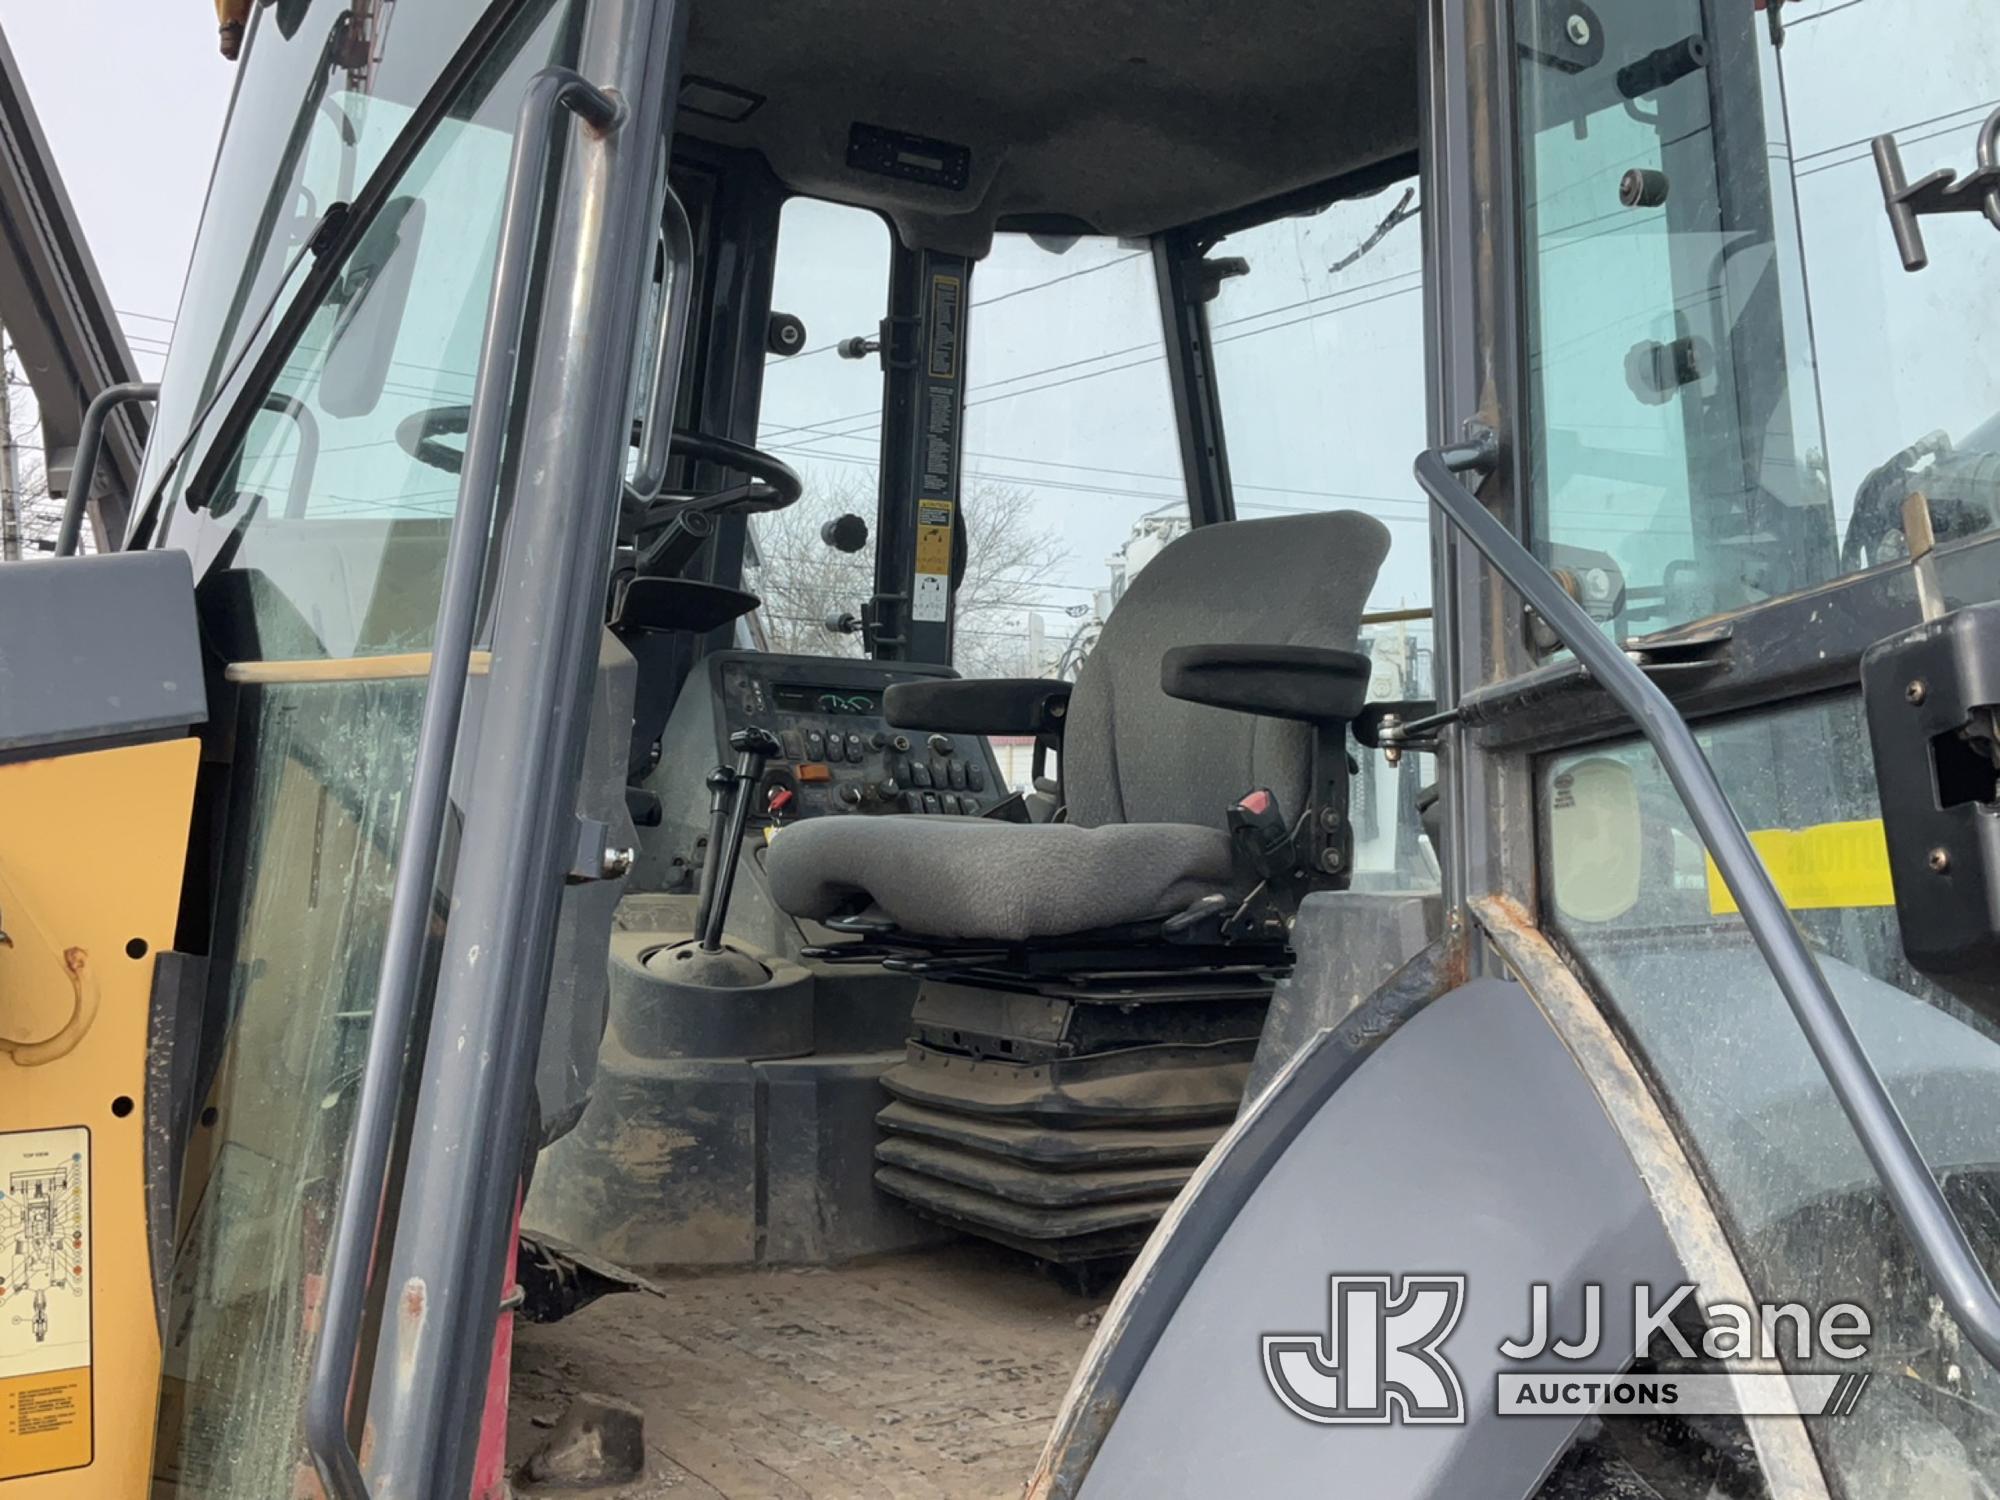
<point>804,698</point>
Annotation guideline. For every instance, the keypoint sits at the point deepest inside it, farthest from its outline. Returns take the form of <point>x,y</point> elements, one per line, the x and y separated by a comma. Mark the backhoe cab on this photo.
<point>870,673</point>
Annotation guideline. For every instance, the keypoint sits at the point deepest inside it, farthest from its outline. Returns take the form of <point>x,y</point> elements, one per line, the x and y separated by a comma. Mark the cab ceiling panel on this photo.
<point>1123,116</point>
<point>55,310</point>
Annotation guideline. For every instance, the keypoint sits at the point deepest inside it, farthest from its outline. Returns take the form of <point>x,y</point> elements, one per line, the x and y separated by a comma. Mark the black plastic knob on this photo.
<point>754,741</point>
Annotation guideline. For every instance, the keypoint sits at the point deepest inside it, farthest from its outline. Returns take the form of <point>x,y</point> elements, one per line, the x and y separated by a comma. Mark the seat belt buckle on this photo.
<point>1260,834</point>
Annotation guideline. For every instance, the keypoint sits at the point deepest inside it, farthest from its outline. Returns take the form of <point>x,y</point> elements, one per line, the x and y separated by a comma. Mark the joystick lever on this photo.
<point>728,816</point>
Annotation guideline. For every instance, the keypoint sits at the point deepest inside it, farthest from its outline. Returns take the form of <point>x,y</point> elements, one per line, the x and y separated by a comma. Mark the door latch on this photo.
<point>1939,192</point>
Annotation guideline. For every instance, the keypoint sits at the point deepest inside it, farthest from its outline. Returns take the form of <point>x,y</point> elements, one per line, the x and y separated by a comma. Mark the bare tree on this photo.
<point>802,580</point>
<point>39,515</point>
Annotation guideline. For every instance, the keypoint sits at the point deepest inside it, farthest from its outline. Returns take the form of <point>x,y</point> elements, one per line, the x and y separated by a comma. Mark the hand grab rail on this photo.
<point>83,465</point>
<point>353,1237</point>
<point>1919,1203</point>
<point>676,312</point>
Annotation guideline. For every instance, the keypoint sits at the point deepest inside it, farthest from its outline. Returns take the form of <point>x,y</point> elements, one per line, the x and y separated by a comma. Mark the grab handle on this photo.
<point>550,93</point>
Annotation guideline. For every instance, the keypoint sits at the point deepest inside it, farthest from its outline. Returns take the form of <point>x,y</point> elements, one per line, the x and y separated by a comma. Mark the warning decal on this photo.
<point>933,560</point>
<point>45,1389</point>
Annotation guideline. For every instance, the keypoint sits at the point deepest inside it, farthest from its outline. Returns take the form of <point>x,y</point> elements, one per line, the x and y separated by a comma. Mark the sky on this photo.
<point>131,95</point>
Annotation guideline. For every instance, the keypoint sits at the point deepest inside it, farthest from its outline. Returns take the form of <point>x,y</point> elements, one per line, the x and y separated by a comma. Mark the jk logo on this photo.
<point>1378,1361</point>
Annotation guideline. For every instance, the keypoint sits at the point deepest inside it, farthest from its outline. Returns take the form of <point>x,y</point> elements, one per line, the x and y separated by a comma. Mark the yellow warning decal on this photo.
<point>934,536</point>
<point>45,1348</point>
<point>1825,866</point>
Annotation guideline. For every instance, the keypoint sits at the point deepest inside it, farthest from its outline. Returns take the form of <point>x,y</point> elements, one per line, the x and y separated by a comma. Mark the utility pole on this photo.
<point>10,466</point>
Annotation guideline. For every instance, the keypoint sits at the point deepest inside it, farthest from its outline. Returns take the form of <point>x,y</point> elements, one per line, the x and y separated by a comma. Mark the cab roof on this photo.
<point>1119,117</point>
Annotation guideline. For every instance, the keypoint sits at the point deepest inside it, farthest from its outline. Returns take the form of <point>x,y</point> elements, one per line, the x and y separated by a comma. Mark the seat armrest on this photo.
<point>1310,684</point>
<point>983,705</point>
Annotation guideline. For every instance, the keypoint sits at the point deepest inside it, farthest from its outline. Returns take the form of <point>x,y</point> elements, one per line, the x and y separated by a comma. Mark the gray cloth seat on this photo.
<point>1147,779</point>
<point>977,878</point>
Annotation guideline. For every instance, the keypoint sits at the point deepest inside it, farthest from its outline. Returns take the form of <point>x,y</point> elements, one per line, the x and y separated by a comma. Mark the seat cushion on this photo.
<point>979,878</point>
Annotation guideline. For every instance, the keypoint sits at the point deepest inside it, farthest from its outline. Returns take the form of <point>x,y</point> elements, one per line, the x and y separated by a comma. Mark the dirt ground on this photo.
<point>928,1376</point>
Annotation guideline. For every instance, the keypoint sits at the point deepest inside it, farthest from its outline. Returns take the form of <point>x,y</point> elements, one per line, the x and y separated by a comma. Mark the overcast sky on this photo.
<point>131,94</point>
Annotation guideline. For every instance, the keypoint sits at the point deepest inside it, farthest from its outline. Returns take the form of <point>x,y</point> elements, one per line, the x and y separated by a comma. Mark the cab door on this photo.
<point>1718,386</point>
<point>392,434</point>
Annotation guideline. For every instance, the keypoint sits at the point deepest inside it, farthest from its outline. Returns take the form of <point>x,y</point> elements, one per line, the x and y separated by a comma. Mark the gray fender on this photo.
<point>1466,1143</point>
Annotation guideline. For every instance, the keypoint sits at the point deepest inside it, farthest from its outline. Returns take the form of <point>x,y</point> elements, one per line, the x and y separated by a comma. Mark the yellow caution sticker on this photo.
<point>934,536</point>
<point>45,1297</point>
<point>1826,866</point>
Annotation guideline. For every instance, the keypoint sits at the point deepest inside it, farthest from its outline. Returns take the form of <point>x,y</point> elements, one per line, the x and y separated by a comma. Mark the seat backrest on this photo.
<point>1130,753</point>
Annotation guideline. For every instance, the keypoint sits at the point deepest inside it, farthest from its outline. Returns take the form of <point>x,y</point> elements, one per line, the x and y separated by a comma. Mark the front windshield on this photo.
<point>319,98</point>
<point>1733,382</point>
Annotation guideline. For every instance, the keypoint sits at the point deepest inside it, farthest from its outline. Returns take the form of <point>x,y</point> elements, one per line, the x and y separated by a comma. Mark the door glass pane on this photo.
<point>821,413</point>
<point>335,507</point>
<point>1635,899</point>
<point>319,99</point>
<point>1071,478</point>
<point>1319,368</point>
<point>1911,391</point>
<point>1732,380</point>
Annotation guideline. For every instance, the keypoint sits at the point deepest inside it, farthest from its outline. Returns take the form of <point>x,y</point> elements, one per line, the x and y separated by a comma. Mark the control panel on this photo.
<point>840,755</point>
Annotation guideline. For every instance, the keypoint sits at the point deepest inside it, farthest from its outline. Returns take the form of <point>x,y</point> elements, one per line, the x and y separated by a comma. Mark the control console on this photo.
<point>840,756</point>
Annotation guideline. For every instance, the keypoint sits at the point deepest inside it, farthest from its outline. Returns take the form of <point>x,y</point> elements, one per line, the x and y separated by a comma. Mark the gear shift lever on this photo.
<point>727,820</point>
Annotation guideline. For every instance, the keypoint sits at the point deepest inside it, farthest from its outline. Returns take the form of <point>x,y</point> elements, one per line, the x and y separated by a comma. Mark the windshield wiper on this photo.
<point>324,234</point>
<point>1942,1245</point>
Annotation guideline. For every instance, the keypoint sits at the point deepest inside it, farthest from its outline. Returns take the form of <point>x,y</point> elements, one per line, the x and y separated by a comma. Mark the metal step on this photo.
<point>1031,1187</point>
<point>1093,1232</point>
<point>1045,1145</point>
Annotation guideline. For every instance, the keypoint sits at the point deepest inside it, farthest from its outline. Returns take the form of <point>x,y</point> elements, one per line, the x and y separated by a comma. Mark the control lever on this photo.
<point>727,818</point>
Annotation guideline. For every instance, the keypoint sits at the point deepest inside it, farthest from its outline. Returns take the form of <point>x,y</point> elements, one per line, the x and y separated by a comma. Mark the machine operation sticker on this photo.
<point>45,1295</point>
<point>933,560</point>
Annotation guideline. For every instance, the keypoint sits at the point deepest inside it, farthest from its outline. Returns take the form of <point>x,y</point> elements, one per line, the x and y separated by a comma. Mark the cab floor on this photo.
<point>935,1373</point>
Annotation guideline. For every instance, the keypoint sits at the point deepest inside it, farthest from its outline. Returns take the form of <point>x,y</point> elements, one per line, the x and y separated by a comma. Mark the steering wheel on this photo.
<point>774,484</point>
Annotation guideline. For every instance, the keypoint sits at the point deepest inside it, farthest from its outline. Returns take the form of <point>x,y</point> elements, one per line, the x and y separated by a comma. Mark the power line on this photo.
<point>1158,354</point>
<point>781,360</point>
<point>1896,130</point>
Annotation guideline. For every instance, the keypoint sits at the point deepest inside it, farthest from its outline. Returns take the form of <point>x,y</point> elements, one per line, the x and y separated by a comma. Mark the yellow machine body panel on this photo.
<point>92,850</point>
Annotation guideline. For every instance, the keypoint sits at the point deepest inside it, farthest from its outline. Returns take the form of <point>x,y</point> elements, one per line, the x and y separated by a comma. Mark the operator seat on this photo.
<point>1147,780</point>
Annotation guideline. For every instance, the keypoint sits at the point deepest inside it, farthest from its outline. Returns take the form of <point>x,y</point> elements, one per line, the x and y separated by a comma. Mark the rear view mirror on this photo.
<point>368,310</point>
<point>1594,836</point>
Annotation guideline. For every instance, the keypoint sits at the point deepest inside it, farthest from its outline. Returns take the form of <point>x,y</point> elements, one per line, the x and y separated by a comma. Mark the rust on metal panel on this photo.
<point>412,1310</point>
<point>1792,1470</point>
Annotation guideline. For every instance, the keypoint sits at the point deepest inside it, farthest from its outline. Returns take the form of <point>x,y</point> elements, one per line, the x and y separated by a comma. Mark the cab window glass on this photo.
<point>1071,478</point>
<point>821,414</point>
<point>336,505</point>
<point>1318,348</point>
<point>1635,898</point>
<point>1733,382</point>
<point>318,103</point>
